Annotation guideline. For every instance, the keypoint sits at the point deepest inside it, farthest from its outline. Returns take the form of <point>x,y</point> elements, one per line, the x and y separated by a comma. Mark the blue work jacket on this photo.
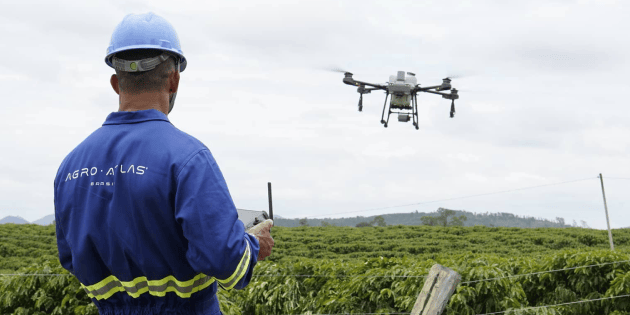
<point>145,220</point>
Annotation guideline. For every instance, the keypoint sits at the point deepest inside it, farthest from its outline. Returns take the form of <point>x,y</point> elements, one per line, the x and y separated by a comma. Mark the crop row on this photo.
<point>377,285</point>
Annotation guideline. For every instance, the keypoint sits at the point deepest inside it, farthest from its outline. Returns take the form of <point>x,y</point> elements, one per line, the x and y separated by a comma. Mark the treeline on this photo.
<point>500,219</point>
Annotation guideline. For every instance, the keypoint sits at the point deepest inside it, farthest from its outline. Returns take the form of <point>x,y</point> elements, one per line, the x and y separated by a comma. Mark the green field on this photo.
<point>371,270</point>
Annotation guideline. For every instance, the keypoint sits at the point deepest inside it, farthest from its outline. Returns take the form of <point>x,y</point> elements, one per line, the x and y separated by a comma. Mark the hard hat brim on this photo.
<point>182,59</point>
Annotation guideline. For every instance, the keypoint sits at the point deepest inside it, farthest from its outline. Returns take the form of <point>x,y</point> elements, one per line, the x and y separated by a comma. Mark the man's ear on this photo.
<point>114,81</point>
<point>173,81</point>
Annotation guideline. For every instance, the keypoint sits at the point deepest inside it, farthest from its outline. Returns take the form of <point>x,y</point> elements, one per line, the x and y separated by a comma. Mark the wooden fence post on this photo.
<point>612,245</point>
<point>438,287</point>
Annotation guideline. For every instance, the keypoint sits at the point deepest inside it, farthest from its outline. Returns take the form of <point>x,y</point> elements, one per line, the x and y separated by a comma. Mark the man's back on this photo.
<point>145,220</point>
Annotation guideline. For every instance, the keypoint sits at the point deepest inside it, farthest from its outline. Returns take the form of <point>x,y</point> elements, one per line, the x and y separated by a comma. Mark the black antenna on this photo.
<point>270,205</point>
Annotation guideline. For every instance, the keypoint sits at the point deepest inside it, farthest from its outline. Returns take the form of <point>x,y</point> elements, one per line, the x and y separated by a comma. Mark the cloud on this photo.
<point>545,103</point>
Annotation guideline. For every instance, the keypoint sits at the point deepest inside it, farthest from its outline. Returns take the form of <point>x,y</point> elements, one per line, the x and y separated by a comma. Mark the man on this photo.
<point>144,218</point>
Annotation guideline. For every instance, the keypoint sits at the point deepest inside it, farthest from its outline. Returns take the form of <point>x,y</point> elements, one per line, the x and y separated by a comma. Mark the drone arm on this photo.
<point>424,89</point>
<point>446,95</point>
<point>349,81</point>
<point>375,86</point>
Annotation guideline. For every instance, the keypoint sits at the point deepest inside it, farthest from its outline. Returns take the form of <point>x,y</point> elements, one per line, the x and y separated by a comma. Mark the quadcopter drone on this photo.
<point>403,91</point>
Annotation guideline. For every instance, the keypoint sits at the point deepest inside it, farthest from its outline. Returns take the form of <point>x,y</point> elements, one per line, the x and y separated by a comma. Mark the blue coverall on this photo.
<point>145,221</point>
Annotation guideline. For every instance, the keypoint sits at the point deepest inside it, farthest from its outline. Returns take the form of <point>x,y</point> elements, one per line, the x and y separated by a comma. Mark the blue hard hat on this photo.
<point>145,31</point>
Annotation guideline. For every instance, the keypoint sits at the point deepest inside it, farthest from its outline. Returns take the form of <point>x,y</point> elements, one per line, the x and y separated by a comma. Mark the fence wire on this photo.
<point>374,276</point>
<point>554,305</point>
<point>501,312</point>
<point>422,276</point>
<point>456,198</point>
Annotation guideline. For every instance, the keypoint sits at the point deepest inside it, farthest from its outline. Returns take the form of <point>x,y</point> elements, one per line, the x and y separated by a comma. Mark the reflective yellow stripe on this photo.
<point>240,271</point>
<point>184,289</point>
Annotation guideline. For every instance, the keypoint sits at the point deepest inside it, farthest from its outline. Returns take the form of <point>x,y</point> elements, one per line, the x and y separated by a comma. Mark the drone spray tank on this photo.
<point>400,89</point>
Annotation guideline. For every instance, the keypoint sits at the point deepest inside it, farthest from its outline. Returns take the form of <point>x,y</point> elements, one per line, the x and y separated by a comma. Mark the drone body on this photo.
<point>403,91</point>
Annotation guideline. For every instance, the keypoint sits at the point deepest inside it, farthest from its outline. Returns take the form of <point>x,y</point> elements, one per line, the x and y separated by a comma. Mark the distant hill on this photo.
<point>414,218</point>
<point>47,220</point>
<point>12,219</point>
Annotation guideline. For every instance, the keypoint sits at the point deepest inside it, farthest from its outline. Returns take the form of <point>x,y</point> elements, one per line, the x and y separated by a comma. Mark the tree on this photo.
<point>303,222</point>
<point>379,220</point>
<point>442,218</point>
<point>560,221</point>
<point>430,221</point>
<point>458,221</point>
<point>444,214</point>
<point>363,224</point>
<point>324,223</point>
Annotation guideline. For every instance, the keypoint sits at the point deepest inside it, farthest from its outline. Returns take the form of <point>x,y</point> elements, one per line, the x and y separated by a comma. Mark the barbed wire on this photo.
<point>33,239</point>
<point>253,276</point>
<point>542,272</point>
<point>338,276</point>
<point>381,313</point>
<point>554,305</point>
<point>466,282</point>
<point>382,276</point>
<point>617,178</point>
<point>455,198</point>
<point>494,313</point>
<point>35,274</point>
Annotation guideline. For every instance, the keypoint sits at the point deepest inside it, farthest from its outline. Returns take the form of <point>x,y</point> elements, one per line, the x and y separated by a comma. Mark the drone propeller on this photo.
<point>336,69</point>
<point>459,74</point>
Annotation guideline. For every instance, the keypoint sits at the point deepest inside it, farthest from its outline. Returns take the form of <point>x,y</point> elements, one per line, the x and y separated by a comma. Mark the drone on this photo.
<point>403,91</point>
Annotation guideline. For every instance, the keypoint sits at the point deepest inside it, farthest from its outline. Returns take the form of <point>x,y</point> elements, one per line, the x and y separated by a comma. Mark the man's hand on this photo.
<point>262,233</point>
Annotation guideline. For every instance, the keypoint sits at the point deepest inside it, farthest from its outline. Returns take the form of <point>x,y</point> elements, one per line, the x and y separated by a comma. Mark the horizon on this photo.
<point>376,215</point>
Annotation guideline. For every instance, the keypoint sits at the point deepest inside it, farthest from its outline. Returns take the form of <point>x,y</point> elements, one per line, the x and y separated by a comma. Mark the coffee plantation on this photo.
<point>330,270</point>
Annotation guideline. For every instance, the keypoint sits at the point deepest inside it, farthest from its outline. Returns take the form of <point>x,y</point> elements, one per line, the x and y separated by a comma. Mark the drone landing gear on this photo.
<point>413,107</point>
<point>383,114</point>
<point>361,102</point>
<point>415,110</point>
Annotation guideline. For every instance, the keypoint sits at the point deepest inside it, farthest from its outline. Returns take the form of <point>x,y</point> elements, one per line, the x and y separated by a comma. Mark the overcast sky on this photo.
<point>543,100</point>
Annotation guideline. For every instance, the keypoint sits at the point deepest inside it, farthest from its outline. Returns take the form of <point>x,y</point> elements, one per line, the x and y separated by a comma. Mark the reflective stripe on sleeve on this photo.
<point>184,289</point>
<point>240,271</point>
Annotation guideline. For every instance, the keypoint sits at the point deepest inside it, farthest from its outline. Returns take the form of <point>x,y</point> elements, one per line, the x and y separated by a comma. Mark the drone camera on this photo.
<point>404,117</point>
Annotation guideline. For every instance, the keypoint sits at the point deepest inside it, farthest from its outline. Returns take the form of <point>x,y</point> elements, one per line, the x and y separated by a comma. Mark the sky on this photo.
<point>542,101</point>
